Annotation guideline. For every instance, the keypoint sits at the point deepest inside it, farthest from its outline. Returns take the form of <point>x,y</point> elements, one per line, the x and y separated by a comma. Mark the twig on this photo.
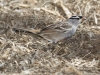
<point>66,10</point>
<point>46,3</point>
<point>80,11</point>
<point>86,54</point>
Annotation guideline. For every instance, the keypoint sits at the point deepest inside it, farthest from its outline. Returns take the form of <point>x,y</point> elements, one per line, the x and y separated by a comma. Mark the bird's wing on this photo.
<point>60,27</point>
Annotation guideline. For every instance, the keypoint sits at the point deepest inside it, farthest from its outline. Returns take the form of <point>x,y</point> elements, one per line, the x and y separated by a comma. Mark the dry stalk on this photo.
<point>53,13</point>
<point>65,9</point>
<point>72,67</point>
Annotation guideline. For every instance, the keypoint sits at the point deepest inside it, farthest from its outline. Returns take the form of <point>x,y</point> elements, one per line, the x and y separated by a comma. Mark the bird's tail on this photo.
<point>31,30</point>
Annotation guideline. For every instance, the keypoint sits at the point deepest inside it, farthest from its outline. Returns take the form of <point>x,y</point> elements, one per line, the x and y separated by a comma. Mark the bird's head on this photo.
<point>75,20</point>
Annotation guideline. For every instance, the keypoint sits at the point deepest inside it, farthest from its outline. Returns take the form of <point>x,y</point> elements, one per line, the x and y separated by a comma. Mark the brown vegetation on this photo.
<point>23,53</point>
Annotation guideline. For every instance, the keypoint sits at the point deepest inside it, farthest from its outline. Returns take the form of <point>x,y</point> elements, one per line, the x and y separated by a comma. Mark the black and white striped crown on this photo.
<point>75,17</point>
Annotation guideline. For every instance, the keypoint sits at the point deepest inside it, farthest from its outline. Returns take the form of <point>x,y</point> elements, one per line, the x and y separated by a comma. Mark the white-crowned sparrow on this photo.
<point>57,31</point>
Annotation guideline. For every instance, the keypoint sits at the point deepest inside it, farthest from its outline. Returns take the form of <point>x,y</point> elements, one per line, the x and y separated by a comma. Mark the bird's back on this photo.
<point>56,32</point>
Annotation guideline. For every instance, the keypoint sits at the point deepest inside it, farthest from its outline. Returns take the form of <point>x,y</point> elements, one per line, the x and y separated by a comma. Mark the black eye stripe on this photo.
<point>74,18</point>
<point>80,16</point>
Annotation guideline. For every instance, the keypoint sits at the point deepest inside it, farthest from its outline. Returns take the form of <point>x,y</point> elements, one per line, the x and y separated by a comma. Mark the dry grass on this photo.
<point>23,53</point>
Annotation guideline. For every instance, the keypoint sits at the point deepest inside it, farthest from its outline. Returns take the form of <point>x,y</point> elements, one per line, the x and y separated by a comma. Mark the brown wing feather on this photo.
<point>60,27</point>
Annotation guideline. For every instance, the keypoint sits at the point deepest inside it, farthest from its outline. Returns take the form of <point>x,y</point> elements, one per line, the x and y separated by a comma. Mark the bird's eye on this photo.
<point>80,16</point>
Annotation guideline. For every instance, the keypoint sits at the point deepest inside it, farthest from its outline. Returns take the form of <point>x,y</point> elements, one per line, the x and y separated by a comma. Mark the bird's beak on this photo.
<point>83,19</point>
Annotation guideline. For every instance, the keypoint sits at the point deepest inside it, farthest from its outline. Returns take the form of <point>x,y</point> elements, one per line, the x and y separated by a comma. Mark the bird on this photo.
<point>57,31</point>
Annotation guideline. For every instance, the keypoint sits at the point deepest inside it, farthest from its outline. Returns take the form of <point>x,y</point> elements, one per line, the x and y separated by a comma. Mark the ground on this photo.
<point>23,53</point>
